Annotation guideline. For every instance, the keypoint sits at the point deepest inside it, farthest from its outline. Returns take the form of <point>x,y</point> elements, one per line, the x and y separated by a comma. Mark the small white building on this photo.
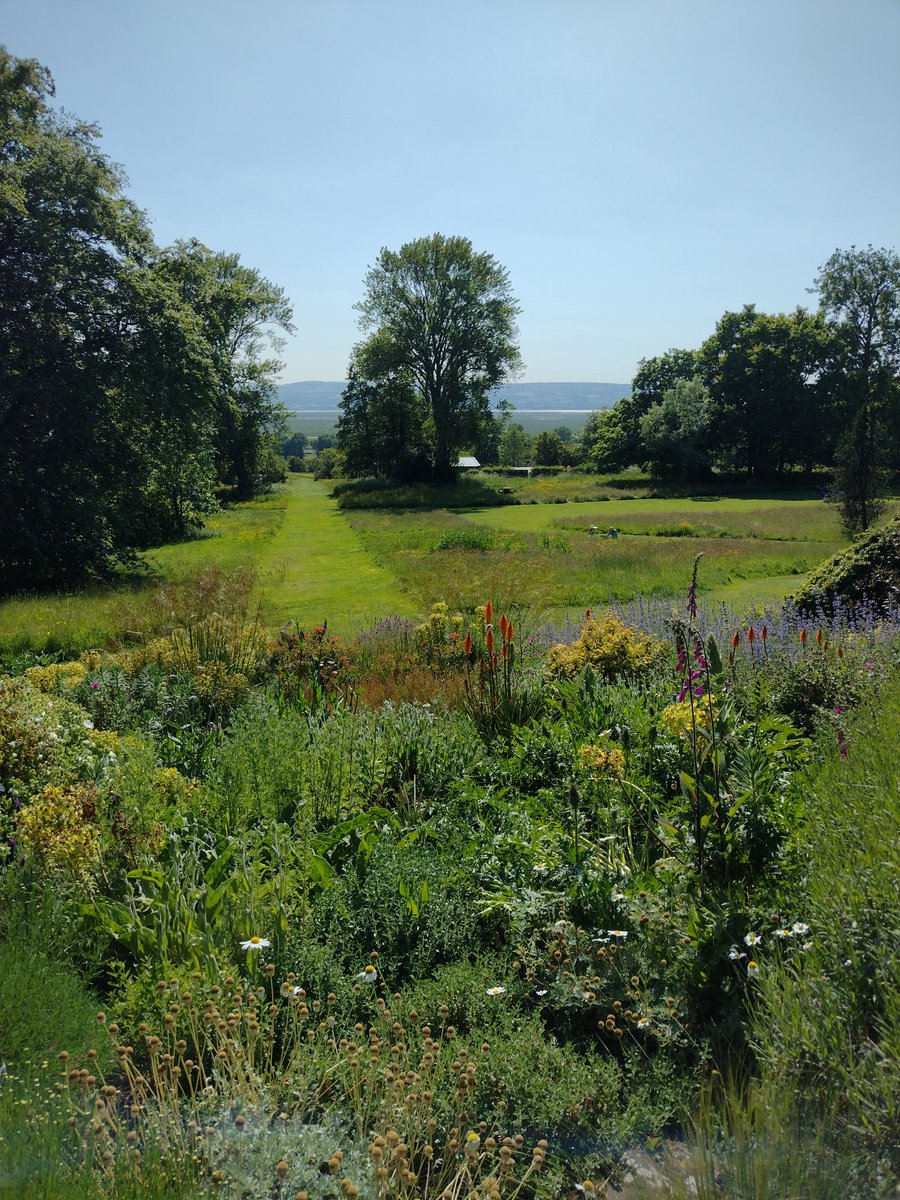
<point>467,463</point>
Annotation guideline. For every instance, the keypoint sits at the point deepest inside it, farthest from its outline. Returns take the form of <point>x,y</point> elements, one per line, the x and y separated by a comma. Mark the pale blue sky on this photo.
<point>639,166</point>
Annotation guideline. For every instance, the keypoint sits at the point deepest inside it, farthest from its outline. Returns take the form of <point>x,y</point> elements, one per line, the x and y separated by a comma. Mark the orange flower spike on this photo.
<point>819,636</point>
<point>764,633</point>
<point>509,631</point>
<point>803,637</point>
<point>467,644</point>
<point>488,613</point>
<point>840,651</point>
<point>735,641</point>
<point>504,650</point>
<point>751,635</point>
<point>489,639</point>
<point>588,615</point>
<point>503,624</point>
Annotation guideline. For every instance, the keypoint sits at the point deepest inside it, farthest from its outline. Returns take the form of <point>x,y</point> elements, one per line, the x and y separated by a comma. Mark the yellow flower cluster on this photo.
<point>599,762</point>
<point>679,721</point>
<point>59,826</point>
<point>173,788</point>
<point>609,646</point>
<point>56,676</point>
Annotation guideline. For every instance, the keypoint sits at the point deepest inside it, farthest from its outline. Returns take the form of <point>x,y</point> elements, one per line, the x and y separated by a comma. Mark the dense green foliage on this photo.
<point>868,571</point>
<point>784,391</point>
<point>131,379</point>
<point>444,334</point>
<point>441,885</point>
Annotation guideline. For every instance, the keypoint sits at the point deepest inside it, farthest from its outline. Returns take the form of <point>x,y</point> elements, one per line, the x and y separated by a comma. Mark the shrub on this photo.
<point>608,645</point>
<point>44,739</point>
<point>60,827</point>
<point>868,571</point>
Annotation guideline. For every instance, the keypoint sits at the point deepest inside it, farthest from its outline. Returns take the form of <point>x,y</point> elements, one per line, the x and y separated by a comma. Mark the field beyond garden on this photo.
<point>524,541</point>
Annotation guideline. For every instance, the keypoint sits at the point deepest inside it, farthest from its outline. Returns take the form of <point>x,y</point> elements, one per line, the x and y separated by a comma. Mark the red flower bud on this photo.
<point>488,613</point>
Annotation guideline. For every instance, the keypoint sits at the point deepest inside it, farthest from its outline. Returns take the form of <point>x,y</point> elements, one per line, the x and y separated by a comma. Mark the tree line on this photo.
<point>134,380</point>
<point>764,394</point>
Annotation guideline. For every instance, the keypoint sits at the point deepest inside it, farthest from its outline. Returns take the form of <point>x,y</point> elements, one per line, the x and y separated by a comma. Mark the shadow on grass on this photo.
<point>462,493</point>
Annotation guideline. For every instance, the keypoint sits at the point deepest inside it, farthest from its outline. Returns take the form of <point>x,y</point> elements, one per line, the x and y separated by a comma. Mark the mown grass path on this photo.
<point>314,567</point>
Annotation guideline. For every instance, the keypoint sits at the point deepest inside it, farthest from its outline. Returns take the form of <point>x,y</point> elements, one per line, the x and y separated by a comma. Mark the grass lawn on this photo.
<point>314,567</point>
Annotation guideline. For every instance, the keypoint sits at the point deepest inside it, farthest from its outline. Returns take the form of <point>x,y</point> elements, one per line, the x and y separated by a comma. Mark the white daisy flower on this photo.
<point>369,975</point>
<point>617,933</point>
<point>799,927</point>
<point>752,939</point>
<point>495,991</point>
<point>735,955</point>
<point>752,968</point>
<point>255,943</point>
<point>541,992</point>
<point>644,1023</point>
<point>617,896</point>
<point>784,933</point>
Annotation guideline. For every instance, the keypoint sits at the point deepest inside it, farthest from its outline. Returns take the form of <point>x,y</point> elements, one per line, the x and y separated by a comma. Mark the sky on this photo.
<point>640,167</point>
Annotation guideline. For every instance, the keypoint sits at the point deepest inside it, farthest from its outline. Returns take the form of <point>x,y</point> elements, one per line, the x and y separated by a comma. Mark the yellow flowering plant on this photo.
<point>608,645</point>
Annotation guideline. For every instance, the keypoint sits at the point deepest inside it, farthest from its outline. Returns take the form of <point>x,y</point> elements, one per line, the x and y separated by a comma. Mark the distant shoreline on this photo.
<point>322,397</point>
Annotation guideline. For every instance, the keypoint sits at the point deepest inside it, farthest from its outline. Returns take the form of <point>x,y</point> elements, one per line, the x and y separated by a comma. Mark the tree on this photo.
<point>127,375</point>
<point>549,449</point>
<point>859,296</point>
<point>380,429</point>
<point>610,439</point>
<point>66,236</point>
<point>675,432</point>
<point>515,446</point>
<point>242,314</point>
<point>447,317</point>
<point>767,380</point>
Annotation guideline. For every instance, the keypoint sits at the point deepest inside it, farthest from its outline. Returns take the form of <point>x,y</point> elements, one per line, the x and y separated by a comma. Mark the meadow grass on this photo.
<point>308,563</point>
<point>754,550</point>
<point>313,561</point>
<point>797,520</point>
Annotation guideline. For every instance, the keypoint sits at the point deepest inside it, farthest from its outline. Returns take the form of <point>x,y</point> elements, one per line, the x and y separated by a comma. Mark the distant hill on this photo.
<point>314,395</point>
